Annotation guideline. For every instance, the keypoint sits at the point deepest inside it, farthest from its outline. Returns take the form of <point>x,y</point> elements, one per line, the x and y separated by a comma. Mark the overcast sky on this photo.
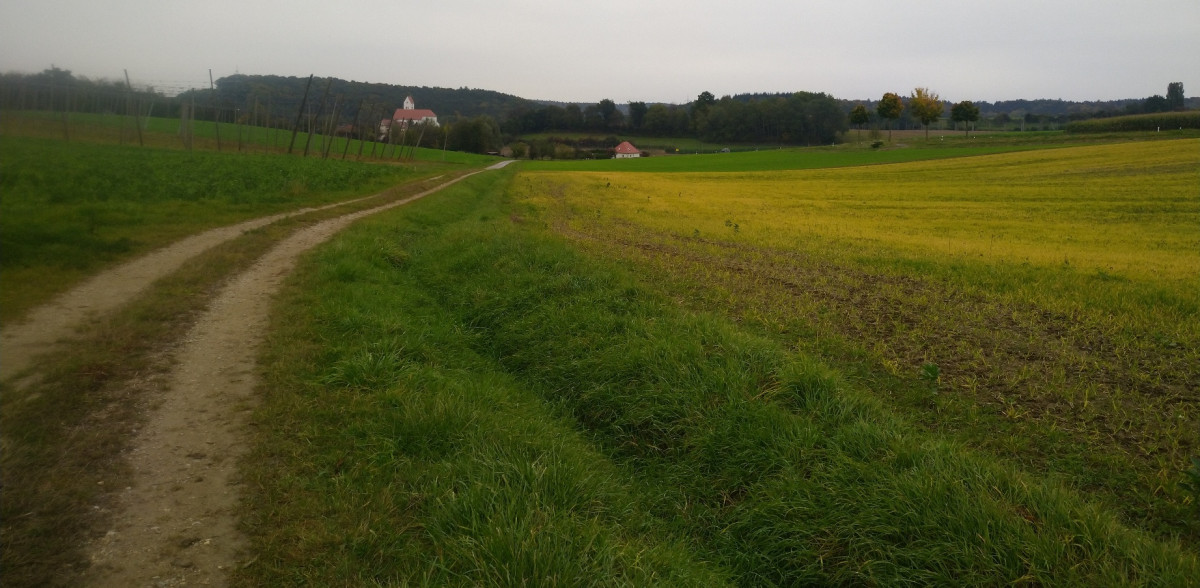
<point>650,50</point>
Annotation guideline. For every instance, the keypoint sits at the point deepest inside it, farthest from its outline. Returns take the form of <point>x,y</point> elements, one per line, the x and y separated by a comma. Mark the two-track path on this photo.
<point>175,524</point>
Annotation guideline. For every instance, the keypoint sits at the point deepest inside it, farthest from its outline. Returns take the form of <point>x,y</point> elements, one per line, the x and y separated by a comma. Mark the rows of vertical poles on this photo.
<point>103,109</point>
<point>76,111</point>
<point>324,125</point>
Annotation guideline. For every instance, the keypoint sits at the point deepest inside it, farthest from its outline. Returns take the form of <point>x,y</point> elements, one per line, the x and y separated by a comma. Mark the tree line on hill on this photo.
<point>800,118</point>
<point>286,93</point>
<point>484,120</point>
<point>237,95</point>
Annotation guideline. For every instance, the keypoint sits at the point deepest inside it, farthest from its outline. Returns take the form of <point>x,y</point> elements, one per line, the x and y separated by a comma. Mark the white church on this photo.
<point>408,116</point>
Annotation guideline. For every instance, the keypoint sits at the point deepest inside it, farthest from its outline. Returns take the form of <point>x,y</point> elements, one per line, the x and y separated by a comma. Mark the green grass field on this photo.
<point>765,160</point>
<point>852,153</point>
<point>683,144</point>
<point>71,208</point>
<point>484,388</point>
<point>110,129</point>
<point>1041,305</point>
<point>972,364</point>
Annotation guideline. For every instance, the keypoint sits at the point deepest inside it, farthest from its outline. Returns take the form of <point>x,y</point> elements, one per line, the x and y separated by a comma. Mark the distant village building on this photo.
<point>406,117</point>
<point>627,150</point>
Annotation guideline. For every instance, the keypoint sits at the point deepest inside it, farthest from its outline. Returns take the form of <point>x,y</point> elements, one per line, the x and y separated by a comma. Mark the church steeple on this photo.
<point>409,104</point>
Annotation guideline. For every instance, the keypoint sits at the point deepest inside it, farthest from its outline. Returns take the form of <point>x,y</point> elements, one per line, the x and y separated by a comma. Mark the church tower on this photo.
<point>409,104</point>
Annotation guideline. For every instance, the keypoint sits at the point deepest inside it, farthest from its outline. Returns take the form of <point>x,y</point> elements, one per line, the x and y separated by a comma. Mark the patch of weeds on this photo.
<point>1191,482</point>
<point>931,374</point>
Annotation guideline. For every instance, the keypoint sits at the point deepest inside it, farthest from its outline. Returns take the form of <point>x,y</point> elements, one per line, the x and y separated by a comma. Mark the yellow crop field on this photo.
<point>1043,306</point>
<point>1131,209</point>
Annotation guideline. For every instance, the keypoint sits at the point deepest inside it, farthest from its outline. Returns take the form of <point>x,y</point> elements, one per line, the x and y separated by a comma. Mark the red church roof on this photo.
<point>626,147</point>
<point>415,114</point>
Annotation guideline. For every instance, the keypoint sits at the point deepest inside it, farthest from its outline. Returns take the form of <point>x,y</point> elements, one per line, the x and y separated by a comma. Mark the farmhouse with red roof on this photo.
<point>407,116</point>
<point>626,150</point>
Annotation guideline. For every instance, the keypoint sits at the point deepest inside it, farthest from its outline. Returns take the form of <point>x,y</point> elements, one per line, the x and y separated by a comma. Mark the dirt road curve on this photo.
<point>50,323</point>
<point>174,524</point>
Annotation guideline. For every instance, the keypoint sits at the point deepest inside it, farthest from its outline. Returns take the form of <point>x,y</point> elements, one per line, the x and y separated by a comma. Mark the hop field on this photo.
<point>1039,305</point>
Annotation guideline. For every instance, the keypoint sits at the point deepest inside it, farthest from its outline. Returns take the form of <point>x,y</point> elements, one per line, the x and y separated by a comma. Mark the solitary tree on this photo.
<point>859,117</point>
<point>890,107</point>
<point>926,106</point>
<point>1175,96</point>
<point>965,112</point>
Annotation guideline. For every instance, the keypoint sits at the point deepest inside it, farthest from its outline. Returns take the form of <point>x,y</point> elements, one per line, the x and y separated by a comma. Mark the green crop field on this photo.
<point>683,144</point>
<point>208,136</point>
<point>971,363</point>
<point>765,160</point>
<point>1047,295</point>
<point>1171,122</point>
<point>71,208</point>
<point>972,371</point>
<point>855,154</point>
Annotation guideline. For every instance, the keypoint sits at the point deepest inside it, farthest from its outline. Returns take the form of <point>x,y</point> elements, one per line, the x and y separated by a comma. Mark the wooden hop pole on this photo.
<point>320,109</point>
<point>353,127</point>
<point>300,113</point>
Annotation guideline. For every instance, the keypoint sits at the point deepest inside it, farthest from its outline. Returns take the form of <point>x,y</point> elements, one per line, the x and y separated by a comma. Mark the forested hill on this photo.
<point>1041,107</point>
<point>285,93</point>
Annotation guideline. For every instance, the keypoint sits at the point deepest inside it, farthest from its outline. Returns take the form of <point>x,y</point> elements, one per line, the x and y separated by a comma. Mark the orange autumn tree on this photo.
<point>926,106</point>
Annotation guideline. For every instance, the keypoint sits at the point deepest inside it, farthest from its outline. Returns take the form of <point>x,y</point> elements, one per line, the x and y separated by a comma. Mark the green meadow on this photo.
<point>1040,305</point>
<point>165,133</point>
<point>765,160</point>
<point>515,381</point>
<point>72,208</point>
<point>853,153</point>
<point>961,364</point>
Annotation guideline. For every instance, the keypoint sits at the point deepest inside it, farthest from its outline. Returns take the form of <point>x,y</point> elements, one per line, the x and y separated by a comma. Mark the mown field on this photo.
<point>971,371</point>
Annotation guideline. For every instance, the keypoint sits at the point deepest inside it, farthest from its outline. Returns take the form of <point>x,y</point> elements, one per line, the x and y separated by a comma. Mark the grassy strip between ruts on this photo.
<point>456,397</point>
<point>63,434</point>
